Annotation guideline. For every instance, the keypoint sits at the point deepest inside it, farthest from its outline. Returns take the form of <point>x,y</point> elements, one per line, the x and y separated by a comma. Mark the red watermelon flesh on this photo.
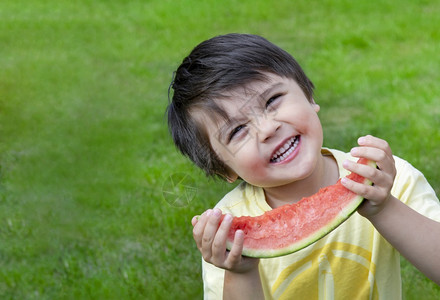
<point>291,227</point>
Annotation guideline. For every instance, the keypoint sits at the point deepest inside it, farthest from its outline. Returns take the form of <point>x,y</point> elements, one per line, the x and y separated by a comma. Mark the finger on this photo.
<point>382,177</point>
<point>365,191</point>
<point>219,243</point>
<point>372,153</point>
<point>194,220</point>
<point>380,188</point>
<point>209,233</point>
<point>383,160</point>
<point>374,194</point>
<point>372,141</point>
<point>234,255</point>
<point>199,228</point>
<point>372,174</point>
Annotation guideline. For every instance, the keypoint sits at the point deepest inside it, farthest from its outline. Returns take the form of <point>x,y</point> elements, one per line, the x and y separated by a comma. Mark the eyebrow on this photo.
<point>231,121</point>
<point>224,130</point>
<point>270,90</point>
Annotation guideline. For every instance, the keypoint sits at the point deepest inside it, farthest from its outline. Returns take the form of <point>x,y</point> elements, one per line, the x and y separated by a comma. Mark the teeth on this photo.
<point>285,150</point>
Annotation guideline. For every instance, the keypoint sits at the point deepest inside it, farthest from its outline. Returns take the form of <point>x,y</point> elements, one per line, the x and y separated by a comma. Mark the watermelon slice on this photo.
<point>291,227</point>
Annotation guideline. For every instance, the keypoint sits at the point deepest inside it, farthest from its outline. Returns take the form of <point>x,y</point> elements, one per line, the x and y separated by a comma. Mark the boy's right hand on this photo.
<point>211,242</point>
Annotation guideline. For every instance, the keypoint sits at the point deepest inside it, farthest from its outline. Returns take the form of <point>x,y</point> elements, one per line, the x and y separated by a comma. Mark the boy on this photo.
<point>243,108</point>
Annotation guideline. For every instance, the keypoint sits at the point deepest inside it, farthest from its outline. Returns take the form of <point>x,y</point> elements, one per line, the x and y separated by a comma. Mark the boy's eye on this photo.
<point>235,131</point>
<point>272,100</point>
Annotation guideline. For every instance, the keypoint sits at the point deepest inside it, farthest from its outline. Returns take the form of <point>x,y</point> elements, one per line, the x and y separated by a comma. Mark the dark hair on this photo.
<point>212,69</point>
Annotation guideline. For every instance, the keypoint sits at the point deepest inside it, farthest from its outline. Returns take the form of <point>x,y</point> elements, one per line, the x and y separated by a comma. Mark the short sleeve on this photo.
<point>213,279</point>
<point>412,188</point>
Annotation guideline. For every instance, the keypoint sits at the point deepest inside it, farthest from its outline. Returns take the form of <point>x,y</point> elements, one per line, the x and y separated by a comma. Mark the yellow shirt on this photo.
<point>352,262</point>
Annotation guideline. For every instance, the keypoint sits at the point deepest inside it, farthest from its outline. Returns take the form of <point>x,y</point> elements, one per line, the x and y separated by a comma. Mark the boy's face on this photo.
<point>273,136</point>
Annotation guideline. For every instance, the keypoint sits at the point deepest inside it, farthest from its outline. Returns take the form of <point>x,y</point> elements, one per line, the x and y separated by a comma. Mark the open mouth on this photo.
<point>285,150</point>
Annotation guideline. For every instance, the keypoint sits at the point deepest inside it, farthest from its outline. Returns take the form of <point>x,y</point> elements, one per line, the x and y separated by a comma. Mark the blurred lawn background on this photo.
<point>85,152</point>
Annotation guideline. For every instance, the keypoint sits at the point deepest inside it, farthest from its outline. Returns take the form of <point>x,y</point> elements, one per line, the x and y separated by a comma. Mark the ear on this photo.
<point>316,107</point>
<point>231,178</point>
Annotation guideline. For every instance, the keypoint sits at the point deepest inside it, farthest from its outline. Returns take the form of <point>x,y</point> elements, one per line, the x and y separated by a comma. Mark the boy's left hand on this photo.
<point>377,195</point>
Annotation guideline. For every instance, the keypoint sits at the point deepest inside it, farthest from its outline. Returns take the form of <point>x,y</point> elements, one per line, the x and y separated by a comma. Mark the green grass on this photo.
<point>84,148</point>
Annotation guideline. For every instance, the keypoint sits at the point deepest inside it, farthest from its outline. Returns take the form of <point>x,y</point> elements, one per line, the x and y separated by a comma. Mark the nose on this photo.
<point>267,128</point>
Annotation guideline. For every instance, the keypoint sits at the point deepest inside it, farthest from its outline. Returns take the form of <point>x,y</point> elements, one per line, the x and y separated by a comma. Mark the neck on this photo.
<point>325,173</point>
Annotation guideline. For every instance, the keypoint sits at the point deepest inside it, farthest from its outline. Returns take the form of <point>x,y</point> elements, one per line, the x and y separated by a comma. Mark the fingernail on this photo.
<point>354,151</point>
<point>217,212</point>
<point>361,140</point>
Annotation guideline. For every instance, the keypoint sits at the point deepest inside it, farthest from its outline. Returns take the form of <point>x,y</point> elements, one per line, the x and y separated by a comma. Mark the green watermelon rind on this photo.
<point>342,217</point>
<point>336,222</point>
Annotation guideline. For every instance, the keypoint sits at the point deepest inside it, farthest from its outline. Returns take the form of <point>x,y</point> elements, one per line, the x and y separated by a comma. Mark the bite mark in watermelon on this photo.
<point>292,227</point>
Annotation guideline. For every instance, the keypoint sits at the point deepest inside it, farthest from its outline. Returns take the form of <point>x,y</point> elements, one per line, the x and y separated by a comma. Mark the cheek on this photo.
<point>309,122</point>
<point>224,156</point>
<point>317,126</point>
<point>221,152</point>
<point>248,164</point>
